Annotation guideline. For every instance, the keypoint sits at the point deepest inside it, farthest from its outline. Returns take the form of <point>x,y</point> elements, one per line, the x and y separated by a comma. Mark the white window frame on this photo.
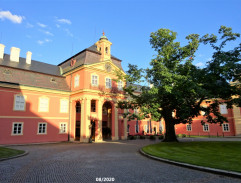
<point>94,80</point>
<point>206,129</point>
<point>42,133</point>
<point>145,128</point>
<point>61,127</point>
<point>76,81</point>
<point>224,128</point>
<point>108,83</point>
<point>13,126</point>
<point>21,102</point>
<point>120,85</point>
<point>223,109</point>
<point>43,107</point>
<point>64,105</point>
<point>189,127</point>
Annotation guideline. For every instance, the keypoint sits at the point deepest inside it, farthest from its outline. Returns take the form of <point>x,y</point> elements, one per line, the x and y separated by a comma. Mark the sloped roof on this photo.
<point>86,57</point>
<point>35,66</point>
<point>35,79</point>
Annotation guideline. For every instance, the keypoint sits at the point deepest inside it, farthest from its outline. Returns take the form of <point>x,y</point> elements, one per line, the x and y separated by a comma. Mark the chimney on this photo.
<point>14,55</point>
<point>28,57</point>
<point>1,51</point>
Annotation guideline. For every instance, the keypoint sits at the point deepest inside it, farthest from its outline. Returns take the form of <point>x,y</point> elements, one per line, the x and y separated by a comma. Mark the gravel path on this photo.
<point>119,161</point>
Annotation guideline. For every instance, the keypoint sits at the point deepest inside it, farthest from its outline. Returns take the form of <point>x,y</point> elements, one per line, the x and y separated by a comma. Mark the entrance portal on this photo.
<point>92,136</point>
<point>106,121</point>
<point>77,123</point>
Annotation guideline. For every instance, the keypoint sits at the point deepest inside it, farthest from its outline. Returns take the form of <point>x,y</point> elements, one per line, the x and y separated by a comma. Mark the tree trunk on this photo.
<point>170,135</point>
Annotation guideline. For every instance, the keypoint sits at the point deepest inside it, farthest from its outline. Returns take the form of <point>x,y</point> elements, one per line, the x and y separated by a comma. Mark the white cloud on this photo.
<point>64,21</point>
<point>46,32</point>
<point>28,25</point>
<point>13,18</point>
<point>199,64</point>
<point>209,59</point>
<point>68,32</point>
<point>41,25</point>
<point>41,42</point>
<point>57,25</point>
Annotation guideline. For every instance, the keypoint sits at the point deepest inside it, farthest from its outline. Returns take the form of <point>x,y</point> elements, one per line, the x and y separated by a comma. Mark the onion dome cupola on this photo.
<point>103,46</point>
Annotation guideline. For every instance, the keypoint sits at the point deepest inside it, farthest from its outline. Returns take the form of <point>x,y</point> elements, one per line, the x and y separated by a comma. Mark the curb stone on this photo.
<point>17,156</point>
<point>205,169</point>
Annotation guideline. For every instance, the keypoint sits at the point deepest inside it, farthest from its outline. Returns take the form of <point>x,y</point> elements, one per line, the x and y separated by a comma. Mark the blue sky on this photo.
<point>55,30</point>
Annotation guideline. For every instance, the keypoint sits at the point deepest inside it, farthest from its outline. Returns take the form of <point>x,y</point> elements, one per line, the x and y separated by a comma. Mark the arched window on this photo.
<point>106,50</point>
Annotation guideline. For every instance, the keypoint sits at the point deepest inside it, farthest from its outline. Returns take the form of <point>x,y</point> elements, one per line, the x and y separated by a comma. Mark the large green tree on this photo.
<point>178,87</point>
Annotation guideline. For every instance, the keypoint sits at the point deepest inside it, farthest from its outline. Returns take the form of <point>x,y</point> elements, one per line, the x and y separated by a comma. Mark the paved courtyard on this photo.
<point>75,162</point>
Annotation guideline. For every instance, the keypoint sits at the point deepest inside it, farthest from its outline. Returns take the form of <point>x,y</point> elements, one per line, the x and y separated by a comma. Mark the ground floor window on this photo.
<point>189,127</point>
<point>17,128</point>
<point>42,128</point>
<point>128,128</point>
<point>137,128</point>
<point>145,128</point>
<point>63,128</point>
<point>205,127</point>
<point>226,127</point>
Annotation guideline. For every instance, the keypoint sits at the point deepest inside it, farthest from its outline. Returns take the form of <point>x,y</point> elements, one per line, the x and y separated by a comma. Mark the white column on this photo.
<point>82,139</point>
<point>116,124</point>
<point>87,119</point>
<point>99,131</point>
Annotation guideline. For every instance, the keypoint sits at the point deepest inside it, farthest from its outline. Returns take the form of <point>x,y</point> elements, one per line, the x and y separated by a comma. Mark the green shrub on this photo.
<point>184,135</point>
<point>132,137</point>
<point>161,137</point>
<point>142,137</point>
<point>152,137</point>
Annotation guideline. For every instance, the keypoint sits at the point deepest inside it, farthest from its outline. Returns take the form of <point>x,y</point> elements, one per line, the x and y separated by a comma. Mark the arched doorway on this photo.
<point>78,118</point>
<point>107,121</point>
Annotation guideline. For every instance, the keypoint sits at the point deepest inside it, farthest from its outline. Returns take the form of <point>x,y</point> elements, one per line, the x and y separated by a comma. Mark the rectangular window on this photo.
<point>76,81</point>
<point>63,128</point>
<point>136,111</point>
<point>226,127</point>
<point>93,106</point>
<point>120,85</point>
<point>108,83</point>
<point>19,104</point>
<point>137,128</point>
<point>94,80</point>
<point>145,128</point>
<point>223,109</point>
<point>189,127</point>
<point>64,105</point>
<point>205,127</point>
<point>128,128</point>
<point>43,104</point>
<point>42,128</point>
<point>17,128</point>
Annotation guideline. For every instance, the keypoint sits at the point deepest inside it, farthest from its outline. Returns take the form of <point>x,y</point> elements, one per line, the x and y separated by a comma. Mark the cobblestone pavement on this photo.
<point>75,162</point>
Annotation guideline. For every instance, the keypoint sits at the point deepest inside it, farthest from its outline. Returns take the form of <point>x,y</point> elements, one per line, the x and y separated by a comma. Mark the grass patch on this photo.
<point>220,155</point>
<point>7,152</point>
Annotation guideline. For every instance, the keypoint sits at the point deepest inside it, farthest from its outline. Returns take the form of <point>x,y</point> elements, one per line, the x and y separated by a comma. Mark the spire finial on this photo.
<point>103,33</point>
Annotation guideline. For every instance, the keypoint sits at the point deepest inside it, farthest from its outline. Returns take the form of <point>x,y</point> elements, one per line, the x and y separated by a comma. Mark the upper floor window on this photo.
<point>106,50</point>
<point>205,127</point>
<point>19,103</point>
<point>120,85</point>
<point>94,80</point>
<point>43,104</point>
<point>189,127</point>
<point>107,82</point>
<point>76,81</point>
<point>64,105</point>
<point>17,128</point>
<point>226,127</point>
<point>223,109</point>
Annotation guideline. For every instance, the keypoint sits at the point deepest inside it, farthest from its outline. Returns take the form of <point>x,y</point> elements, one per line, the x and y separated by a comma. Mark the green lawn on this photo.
<point>7,152</point>
<point>220,155</point>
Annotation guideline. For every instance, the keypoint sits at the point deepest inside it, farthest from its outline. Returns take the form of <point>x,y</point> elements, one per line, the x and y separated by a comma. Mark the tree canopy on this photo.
<point>178,87</point>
